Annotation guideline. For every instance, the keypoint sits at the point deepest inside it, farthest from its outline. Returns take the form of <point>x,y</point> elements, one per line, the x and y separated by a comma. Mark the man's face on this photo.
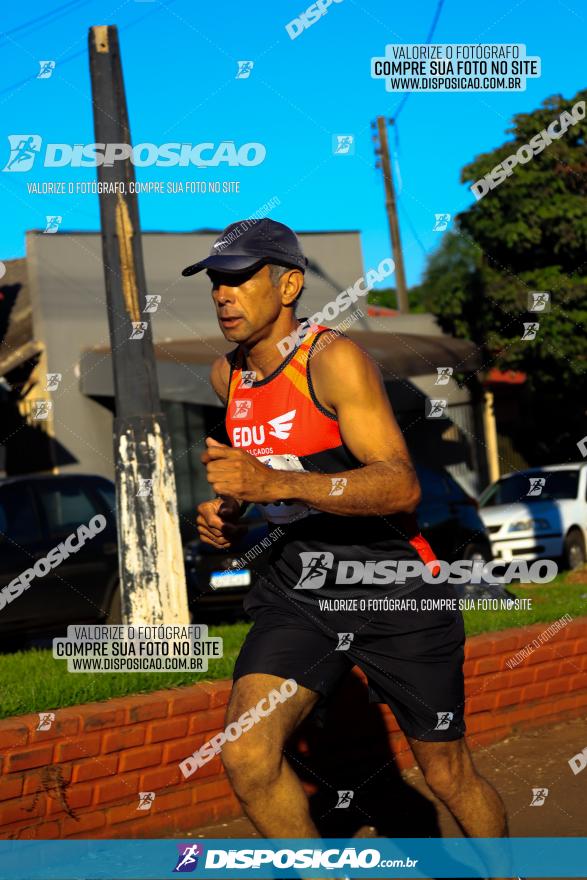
<point>246,303</point>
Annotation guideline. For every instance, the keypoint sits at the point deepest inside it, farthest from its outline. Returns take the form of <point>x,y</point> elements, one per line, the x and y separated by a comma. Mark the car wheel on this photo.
<point>574,552</point>
<point>477,553</point>
<point>114,616</point>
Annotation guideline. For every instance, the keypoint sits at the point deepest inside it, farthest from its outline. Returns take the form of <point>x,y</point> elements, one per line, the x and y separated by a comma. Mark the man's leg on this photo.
<point>451,775</point>
<point>270,792</point>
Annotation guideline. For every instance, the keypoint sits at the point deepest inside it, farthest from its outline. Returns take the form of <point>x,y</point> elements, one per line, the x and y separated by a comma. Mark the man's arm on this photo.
<point>348,383</point>
<point>218,519</point>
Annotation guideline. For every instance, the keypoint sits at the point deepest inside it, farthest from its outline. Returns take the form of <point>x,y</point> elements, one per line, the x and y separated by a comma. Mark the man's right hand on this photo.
<point>218,522</point>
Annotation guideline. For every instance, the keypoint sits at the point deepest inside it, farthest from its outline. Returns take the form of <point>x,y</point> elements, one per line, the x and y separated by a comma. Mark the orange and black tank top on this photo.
<point>279,420</point>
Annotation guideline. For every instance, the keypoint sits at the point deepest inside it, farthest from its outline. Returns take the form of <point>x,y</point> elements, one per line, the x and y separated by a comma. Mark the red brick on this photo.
<point>170,728</point>
<point>188,700</point>
<point>218,692</point>
<point>146,707</point>
<point>80,747</point>
<point>521,676</point>
<point>161,777</point>
<point>579,699</point>
<point>469,668</point>
<point>40,831</point>
<point>123,738</point>
<point>125,812</point>
<point>172,800</point>
<point>497,681</point>
<point>76,796</point>
<point>212,719</point>
<point>145,756</point>
<point>94,768</point>
<point>562,647</point>
<point>534,691</point>
<point>569,666</point>
<point>97,717</point>
<point>481,703</point>
<point>509,697</point>
<point>13,734</point>
<point>116,789</point>
<point>10,787</point>
<point>518,715</point>
<point>176,751</point>
<point>487,664</point>
<point>478,646</point>
<point>483,721</point>
<point>579,681</point>
<point>21,810</point>
<point>85,822</point>
<point>63,726</point>
<point>580,646</point>
<point>168,824</point>
<point>558,686</point>
<point>25,759</point>
<point>548,671</point>
<point>507,642</point>
<point>211,791</point>
<point>544,654</point>
<point>34,779</point>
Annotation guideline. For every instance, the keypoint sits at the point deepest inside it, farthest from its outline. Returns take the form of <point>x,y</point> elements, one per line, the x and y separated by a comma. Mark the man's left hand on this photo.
<point>239,474</point>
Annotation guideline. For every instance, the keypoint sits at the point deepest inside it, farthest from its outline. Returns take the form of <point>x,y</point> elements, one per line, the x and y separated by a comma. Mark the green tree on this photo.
<point>527,234</point>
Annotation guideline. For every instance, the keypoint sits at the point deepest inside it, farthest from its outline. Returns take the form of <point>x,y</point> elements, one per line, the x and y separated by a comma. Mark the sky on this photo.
<point>180,64</point>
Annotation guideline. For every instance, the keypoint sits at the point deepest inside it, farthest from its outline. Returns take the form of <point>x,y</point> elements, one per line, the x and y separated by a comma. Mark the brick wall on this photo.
<point>82,777</point>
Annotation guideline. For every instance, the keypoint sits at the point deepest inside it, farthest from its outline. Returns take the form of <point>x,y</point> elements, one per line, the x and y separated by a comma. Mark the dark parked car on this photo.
<point>37,513</point>
<point>449,518</point>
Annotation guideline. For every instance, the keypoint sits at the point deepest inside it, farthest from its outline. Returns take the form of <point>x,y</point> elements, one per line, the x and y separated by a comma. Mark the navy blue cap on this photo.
<point>252,243</point>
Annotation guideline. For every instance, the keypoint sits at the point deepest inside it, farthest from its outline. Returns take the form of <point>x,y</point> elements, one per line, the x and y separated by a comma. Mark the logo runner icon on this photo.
<point>23,151</point>
<point>187,860</point>
<point>315,568</point>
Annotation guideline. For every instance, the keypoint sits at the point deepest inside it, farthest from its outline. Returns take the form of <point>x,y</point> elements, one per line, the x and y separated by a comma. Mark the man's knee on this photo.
<point>252,763</point>
<point>446,772</point>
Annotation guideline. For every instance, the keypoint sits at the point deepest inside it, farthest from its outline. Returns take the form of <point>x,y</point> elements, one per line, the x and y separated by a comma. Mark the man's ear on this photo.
<point>292,283</point>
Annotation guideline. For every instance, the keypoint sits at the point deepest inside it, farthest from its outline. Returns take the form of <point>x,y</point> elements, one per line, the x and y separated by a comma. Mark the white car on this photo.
<point>539,513</point>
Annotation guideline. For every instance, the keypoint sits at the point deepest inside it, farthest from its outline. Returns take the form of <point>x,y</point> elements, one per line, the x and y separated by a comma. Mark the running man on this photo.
<point>322,414</point>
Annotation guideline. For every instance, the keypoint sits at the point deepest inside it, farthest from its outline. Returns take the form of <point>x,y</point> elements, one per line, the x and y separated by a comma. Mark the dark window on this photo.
<point>18,518</point>
<point>107,495</point>
<point>558,485</point>
<point>65,504</point>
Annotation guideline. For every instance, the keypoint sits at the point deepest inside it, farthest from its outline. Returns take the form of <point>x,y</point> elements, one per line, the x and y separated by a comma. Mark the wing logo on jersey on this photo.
<point>281,425</point>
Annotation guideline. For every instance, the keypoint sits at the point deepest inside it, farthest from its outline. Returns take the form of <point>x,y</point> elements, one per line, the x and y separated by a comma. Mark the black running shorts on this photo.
<point>413,659</point>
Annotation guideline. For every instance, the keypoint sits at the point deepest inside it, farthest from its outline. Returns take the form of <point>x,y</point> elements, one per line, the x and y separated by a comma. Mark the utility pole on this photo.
<point>152,574</point>
<point>390,205</point>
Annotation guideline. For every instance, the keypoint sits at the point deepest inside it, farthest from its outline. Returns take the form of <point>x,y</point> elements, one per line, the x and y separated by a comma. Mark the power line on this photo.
<point>84,51</point>
<point>412,227</point>
<point>46,18</point>
<point>439,6</point>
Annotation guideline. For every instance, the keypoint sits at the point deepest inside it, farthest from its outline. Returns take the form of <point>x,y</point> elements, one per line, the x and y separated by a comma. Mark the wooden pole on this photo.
<point>391,208</point>
<point>152,574</point>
